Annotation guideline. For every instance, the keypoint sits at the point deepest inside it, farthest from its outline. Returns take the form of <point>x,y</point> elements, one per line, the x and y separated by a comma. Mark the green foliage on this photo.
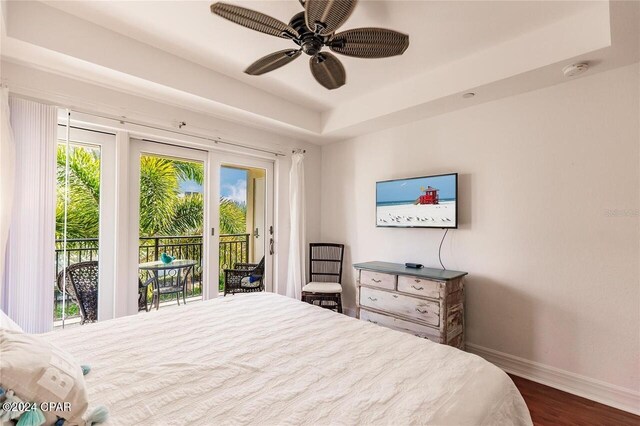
<point>163,209</point>
<point>158,195</point>
<point>72,310</point>
<point>84,192</point>
<point>233,217</point>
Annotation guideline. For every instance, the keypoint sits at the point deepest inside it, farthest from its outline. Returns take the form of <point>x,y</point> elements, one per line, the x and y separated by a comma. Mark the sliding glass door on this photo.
<point>84,187</point>
<point>197,214</point>
<point>170,202</point>
<point>246,238</point>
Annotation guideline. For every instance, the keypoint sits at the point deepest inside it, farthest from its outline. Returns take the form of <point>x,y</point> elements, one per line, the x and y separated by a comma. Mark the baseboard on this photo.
<point>595,390</point>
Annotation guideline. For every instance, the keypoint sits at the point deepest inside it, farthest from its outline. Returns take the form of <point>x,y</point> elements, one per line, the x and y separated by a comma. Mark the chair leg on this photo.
<point>339,303</point>
<point>184,297</point>
<point>178,298</point>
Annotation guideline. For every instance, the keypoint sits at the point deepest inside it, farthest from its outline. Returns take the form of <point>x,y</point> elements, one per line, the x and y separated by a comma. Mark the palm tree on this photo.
<point>164,210</point>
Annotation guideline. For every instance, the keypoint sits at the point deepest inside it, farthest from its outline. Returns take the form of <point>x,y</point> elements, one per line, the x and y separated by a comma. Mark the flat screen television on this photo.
<point>420,202</point>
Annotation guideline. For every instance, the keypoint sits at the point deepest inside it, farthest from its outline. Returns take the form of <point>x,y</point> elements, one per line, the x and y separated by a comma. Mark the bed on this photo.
<point>262,358</point>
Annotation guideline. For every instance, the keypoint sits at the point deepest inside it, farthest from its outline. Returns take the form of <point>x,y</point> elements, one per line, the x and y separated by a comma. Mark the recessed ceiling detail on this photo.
<point>178,53</point>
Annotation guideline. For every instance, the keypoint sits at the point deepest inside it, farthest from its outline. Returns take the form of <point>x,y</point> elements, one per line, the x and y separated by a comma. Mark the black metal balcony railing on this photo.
<point>233,248</point>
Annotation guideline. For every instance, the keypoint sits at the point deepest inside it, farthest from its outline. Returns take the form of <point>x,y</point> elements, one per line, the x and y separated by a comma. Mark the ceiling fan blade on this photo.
<point>369,43</point>
<point>329,14</point>
<point>327,70</point>
<point>254,20</point>
<point>272,61</point>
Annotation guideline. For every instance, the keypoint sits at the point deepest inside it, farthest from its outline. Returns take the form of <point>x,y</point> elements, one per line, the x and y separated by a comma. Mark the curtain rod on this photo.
<point>181,124</point>
<point>217,140</point>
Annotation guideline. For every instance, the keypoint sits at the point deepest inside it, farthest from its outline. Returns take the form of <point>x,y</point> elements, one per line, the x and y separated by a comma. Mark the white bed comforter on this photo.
<point>265,359</point>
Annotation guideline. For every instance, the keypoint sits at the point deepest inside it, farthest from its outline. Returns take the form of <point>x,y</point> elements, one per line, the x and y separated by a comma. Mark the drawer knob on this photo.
<point>417,288</point>
<point>373,299</point>
<point>421,310</point>
<point>376,281</point>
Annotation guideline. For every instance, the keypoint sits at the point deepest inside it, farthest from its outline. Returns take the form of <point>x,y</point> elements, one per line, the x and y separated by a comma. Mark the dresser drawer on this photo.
<point>378,279</point>
<point>422,310</point>
<point>419,330</point>
<point>421,287</point>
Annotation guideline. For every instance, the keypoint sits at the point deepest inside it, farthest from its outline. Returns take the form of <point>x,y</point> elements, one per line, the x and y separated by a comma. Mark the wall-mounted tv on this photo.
<point>421,202</point>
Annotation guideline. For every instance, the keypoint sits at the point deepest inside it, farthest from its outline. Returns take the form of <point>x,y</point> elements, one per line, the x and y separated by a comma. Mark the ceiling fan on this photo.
<point>312,30</point>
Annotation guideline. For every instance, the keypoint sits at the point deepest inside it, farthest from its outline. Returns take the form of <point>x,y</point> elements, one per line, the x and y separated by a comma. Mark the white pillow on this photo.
<point>7,323</point>
<point>36,371</point>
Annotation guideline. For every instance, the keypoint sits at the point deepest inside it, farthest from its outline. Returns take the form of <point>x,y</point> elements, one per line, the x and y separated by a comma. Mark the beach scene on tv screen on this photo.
<point>419,202</point>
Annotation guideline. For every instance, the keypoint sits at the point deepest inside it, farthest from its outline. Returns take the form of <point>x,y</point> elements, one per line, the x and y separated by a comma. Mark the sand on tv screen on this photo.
<point>424,202</point>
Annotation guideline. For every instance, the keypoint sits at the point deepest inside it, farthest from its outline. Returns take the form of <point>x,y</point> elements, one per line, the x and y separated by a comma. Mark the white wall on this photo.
<point>549,226</point>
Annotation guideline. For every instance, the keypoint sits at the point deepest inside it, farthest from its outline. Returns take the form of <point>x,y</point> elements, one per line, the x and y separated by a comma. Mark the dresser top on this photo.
<point>400,269</point>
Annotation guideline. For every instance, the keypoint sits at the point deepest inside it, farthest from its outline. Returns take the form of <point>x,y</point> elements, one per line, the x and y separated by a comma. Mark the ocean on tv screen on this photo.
<point>418,202</point>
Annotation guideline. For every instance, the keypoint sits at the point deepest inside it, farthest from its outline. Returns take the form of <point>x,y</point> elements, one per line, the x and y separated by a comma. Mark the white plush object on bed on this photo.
<point>261,358</point>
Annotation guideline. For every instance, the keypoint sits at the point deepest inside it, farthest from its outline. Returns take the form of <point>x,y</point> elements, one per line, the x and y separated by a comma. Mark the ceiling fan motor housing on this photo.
<point>310,42</point>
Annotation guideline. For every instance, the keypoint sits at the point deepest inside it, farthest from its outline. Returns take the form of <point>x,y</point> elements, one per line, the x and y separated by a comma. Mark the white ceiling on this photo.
<point>177,52</point>
<point>440,32</point>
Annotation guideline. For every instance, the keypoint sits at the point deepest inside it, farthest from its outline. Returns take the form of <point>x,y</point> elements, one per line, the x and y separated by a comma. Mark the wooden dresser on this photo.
<point>426,302</point>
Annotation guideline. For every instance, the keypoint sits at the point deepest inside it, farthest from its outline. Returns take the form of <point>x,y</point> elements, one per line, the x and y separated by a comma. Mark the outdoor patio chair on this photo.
<point>325,276</point>
<point>244,278</point>
<point>143,294</point>
<point>82,287</point>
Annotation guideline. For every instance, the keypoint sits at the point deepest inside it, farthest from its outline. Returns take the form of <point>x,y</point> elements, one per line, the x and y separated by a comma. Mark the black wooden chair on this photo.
<point>244,278</point>
<point>143,294</point>
<point>82,286</point>
<point>325,276</point>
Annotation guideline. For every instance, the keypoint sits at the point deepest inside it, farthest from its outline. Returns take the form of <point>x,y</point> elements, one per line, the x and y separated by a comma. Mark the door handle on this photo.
<point>270,245</point>
<point>257,233</point>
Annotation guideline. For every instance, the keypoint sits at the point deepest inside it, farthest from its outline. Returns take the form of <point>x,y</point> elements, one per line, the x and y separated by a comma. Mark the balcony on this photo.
<point>233,248</point>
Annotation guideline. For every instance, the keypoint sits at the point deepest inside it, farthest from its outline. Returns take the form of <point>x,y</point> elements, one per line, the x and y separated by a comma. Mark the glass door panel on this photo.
<point>81,192</point>
<point>245,236</point>
<point>170,209</point>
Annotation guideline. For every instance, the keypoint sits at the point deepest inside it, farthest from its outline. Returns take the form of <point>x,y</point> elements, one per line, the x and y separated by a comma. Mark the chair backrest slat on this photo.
<point>325,262</point>
<point>82,285</point>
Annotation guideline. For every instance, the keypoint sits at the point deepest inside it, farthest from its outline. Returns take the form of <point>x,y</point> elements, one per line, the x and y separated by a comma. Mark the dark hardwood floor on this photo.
<point>549,406</point>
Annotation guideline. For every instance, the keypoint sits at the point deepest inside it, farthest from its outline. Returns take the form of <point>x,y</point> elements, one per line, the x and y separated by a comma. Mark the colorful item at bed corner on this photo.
<point>254,278</point>
<point>86,368</point>
<point>10,399</point>
<point>59,422</point>
<point>166,259</point>
<point>2,391</point>
<point>99,415</point>
<point>31,417</point>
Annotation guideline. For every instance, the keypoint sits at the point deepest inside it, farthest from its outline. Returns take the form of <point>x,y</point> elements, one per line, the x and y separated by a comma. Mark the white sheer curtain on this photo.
<point>296,267</point>
<point>7,171</point>
<point>29,277</point>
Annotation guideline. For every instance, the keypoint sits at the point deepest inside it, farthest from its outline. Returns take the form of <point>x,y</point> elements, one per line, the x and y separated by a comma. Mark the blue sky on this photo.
<point>409,189</point>
<point>233,184</point>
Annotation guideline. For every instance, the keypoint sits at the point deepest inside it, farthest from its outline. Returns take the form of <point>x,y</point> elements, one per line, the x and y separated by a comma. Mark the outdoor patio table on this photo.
<point>175,273</point>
